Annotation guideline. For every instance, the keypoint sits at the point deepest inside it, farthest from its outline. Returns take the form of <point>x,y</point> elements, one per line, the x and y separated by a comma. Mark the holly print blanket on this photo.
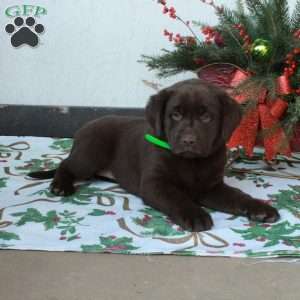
<point>101,217</point>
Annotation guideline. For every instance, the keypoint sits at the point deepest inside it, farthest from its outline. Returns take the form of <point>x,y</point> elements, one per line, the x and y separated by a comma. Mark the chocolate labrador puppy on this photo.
<point>196,119</point>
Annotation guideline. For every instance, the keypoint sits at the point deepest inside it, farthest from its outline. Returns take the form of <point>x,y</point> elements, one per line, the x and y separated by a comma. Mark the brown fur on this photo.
<point>196,119</point>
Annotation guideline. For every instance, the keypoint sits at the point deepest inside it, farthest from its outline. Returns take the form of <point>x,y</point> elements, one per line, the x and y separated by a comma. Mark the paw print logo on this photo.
<point>24,32</point>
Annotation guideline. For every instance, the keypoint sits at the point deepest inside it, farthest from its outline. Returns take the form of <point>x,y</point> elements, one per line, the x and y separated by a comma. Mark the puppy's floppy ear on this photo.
<point>231,113</point>
<point>155,111</point>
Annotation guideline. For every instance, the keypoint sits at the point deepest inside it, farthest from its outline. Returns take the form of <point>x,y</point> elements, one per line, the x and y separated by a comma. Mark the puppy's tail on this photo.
<point>50,174</point>
<point>42,174</point>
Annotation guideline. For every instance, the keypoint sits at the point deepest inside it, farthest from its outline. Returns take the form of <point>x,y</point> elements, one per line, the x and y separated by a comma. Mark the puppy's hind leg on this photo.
<point>63,182</point>
<point>74,168</point>
<point>86,159</point>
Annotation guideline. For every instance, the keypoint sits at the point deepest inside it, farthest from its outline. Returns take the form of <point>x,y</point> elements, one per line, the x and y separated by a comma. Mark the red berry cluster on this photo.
<point>146,219</point>
<point>242,31</point>
<point>199,61</point>
<point>171,37</point>
<point>190,40</point>
<point>297,34</point>
<point>178,39</point>
<point>209,33</point>
<point>291,63</point>
<point>170,10</point>
<point>219,41</point>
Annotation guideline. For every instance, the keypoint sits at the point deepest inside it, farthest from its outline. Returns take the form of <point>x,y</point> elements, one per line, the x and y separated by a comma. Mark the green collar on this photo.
<point>157,142</point>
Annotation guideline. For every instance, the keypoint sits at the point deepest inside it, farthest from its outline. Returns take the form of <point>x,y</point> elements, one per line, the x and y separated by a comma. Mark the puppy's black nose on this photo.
<point>189,140</point>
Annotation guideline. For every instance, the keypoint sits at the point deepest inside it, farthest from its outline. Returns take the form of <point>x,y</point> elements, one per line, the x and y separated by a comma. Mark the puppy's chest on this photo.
<point>199,177</point>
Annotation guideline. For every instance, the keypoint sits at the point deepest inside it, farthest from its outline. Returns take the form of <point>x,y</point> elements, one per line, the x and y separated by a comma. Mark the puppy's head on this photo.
<point>194,117</point>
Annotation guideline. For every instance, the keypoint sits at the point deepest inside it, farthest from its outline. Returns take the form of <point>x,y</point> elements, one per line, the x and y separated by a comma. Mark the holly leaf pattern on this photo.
<point>97,212</point>
<point>35,164</point>
<point>63,145</point>
<point>82,196</point>
<point>7,236</point>
<point>65,221</point>
<point>288,200</point>
<point>271,235</point>
<point>3,182</point>
<point>30,215</point>
<point>156,223</point>
<point>102,217</point>
<point>111,244</point>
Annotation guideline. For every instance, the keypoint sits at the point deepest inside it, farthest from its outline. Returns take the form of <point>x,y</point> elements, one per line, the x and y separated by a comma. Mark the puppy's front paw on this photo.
<point>62,189</point>
<point>261,212</point>
<point>194,220</point>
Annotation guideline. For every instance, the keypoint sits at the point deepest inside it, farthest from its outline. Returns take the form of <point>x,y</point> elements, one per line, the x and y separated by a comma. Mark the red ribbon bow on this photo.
<point>264,115</point>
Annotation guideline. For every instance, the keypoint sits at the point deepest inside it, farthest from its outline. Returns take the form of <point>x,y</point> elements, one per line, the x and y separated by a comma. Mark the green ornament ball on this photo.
<point>261,50</point>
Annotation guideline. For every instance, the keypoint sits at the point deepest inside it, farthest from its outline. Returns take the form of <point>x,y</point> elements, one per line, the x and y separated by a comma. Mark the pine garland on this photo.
<point>232,41</point>
<point>264,19</point>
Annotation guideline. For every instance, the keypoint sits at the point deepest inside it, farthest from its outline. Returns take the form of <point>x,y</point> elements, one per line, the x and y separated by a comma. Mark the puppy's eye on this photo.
<point>176,116</point>
<point>206,118</point>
